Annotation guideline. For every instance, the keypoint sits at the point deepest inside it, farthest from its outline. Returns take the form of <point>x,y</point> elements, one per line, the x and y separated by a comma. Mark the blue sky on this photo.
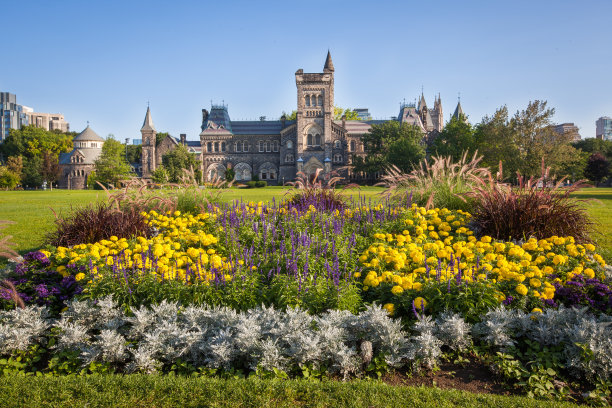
<point>103,61</point>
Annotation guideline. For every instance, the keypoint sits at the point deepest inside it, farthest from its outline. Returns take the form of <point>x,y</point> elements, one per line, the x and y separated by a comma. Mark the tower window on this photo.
<point>216,146</point>
<point>268,147</point>
<point>289,158</point>
<point>309,140</point>
<point>337,144</point>
<point>353,145</point>
<point>307,100</point>
<point>245,146</point>
<point>275,146</point>
<point>238,146</point>
<point>317,140</point>
<point>209,147</point>
<point>289,144</point>
<point>222,146</point>
<point>320,100</point>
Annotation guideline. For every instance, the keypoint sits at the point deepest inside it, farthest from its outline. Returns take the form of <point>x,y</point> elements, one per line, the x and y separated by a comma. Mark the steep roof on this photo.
<point>89,156</point>
<point>88,135</point>
<point>328,62</point>
<point>148,121</point>
<point>459,112</point>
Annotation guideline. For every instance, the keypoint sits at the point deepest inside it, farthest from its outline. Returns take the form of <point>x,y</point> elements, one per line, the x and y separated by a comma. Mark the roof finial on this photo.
<point>329,65</point>
<point>147,104</point>
<point>87,123</point>
<point>421,89</point>
<point>459,97</point>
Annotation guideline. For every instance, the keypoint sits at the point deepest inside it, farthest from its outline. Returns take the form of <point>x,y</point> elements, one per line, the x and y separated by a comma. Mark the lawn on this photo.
<point>168,391</point>
<point>32,211</point>
<point>33,216</point>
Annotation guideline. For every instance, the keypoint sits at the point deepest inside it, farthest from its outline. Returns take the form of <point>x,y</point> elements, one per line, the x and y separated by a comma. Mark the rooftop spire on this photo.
<point>148,121</point>
<point>329,65</point>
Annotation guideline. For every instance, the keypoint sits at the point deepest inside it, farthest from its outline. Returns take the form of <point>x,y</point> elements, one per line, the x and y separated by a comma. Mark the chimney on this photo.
<point>344,121</point>
<point>283,120</point>
<point>183,139</point>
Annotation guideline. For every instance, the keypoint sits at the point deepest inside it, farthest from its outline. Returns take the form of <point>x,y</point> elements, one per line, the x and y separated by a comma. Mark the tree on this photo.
<point>592,145</point>
<point>111,167</point>
<point>597,168</point>
<point>390,143</point>
<point>348,113</point>
<point>457,137</point>
<point>8,178</point>
<point>291,116</point>
<point>178,160</point>
<point>230,174</point>
<point>31,175</point>
<point>15,164</point>
<point>134,153</point>
<point>50,170</point>
<point>30,141</point>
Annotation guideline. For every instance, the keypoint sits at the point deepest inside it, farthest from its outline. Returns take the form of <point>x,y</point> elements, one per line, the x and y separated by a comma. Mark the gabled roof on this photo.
<point>88,135</point>
<point>148,122</point>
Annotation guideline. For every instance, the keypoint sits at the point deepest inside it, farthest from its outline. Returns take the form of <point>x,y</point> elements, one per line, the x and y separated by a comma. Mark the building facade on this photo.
<point>603,128</point>
<point>568,129</point>
<point>276,150</point>
<point>48,121</point>
<point>12,115</point>
<point>76,166</point>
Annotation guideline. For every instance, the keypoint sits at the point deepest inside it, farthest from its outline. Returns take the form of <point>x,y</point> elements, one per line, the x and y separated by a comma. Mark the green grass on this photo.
<point>135,391</point>
<point>31,210</point>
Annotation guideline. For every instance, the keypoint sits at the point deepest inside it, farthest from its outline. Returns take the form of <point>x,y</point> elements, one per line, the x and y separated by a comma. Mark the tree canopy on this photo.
<point>457,137</point>
<point>390,143</point>
<point>178,160</point>
<point>111,166</point>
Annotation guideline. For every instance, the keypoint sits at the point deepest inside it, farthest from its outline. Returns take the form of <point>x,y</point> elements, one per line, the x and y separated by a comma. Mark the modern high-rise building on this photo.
<point>568,129</point>
<point>12,115</point>
<point>604,128</point>
<point>363,113</point>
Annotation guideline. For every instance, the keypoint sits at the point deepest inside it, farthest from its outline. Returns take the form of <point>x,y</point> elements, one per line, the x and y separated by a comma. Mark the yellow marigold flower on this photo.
<point>420,303</point>
<point>396,290</point>
<point>589,273</point>
<point>536,310</point>
<point>536,283</point>
<point>417,286</point>
<point>79,276</point>
<point>521,289</point>
<point>390,308</point>
<point>114,238</point>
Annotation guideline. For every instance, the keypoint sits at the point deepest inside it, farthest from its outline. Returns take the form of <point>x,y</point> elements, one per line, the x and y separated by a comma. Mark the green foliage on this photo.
<point>291,116</point>
<point>523,141</point>
<point>597,168</point>
<point>32,175</point>
<point>390,143</point>
<point>347,113</point>
<point>134,153</point>
<point>8,178</point>
<point>177,161</point>
<point>160,136</point>
<point>457,137</point>
<point>230,174</point>
<point>111,167</point>
<point>30,141</point>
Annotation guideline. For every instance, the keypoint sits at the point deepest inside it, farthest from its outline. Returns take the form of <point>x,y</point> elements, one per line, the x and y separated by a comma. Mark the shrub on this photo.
<point>441,184</point>
<point>260,184</point>
<point>251,184</point>
<point>535,208</point>
<point>313,191</point>
<point>96,222</point>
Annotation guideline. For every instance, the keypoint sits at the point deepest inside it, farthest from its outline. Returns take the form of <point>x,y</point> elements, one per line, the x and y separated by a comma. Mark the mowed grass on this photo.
<point>135,391</point>
<point>33,216</point>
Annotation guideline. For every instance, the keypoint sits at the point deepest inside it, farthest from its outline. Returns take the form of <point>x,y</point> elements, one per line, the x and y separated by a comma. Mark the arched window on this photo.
<point>275,146</point>
<point>317,140</point>
<point>337,144</point>
<point>320,100</point>
<point>289,144</point>
<point>309,139</point>
<point>337,158</point>
<point>268,147</point>
<point>222,146</point>
<point>307,100</point>
<point>261,146</point>
<point>238,146</point>
<point>216,146</point>
<point>209,147</point>
<point>245,146</point>
<point>353,145</point>
<point>289,158</point>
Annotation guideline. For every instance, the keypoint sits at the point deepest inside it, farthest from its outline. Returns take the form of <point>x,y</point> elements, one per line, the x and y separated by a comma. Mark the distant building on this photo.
<point>568,128</point>
<point>363,113</point>
<point>604,128</point>
<point>49,121</point>
<point>136,141</point>
<point>12,115</point>
<point>76,166</point>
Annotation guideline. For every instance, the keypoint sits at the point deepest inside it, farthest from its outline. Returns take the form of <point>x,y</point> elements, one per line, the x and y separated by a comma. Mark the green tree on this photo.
<point>15,164</point>
<point>597,168</point>
<point>593,145</point>
<point>8,179</point>
<point>49,169</point>
<point>349,113</point>
<point>31,175</point>
<point>134,153</point>
<point>159,137</point>
<point>457,137</point>
<point>291,116</point>
<point>390,143</point>
<point>160,175</point>
<point>178,160</point>
<point>230,174</point>
<point>30,141</point>
<point>111,167</point>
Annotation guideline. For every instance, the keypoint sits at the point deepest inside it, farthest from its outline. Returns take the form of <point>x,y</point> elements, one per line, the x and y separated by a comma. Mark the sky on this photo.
<point>104,61</point>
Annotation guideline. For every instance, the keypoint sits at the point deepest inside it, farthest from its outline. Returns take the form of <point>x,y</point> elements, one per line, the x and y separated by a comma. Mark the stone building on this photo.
<point>76,166</point>
<point>276,150</point>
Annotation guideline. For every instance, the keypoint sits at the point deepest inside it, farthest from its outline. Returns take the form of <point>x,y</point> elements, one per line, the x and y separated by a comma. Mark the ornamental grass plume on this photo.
<point>537,208</point>
<point>313,190</point>
<point>7,289</point>
<point>93,223</point>
<point>440,183</point>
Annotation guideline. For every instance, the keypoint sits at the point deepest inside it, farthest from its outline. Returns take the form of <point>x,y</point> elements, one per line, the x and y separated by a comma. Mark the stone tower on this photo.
<point>315,114</point>
<point>436,114</point>
<point>148,133</point>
